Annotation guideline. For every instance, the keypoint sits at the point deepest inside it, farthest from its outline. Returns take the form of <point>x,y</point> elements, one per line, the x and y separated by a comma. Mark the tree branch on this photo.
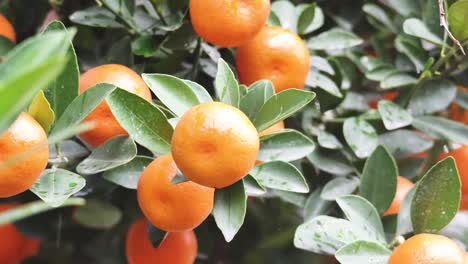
<point>443,23</point>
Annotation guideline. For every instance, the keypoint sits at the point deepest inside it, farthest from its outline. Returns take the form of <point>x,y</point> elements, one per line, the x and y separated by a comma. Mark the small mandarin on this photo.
<point>6,29</point>
<point>177,248</point>
<point>172,207</point>
<point>24,154</point>
<point>215,144</point>
<point>461,158</point>
<point>403,187</point>
<point>387,96</point>
<point>457,113</point>
<point>427,248</point>
<point>15,247</point>
<point>275,54</point>
<point>228,23</point>
<point>276,127</point>
<point>105,124</point>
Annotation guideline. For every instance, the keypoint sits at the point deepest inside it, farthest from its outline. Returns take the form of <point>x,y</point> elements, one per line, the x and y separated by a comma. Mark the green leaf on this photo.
<point>303,24</point>
<point>82,106</point>
<point>257,94</point>
<point>416,27</point>
<point>61,92</point>
<point>437,198</point>
<point>273,20</point>
<point>5,46</point>
<point>229,209</point>
<point>280,106</point>
<point>393,116</point>
<point>334,39</point>
<point>322,64</point>
<point>363,252</point>
<point>411,47</point>
<point>95,17</point>
<point>55,186</point>
<point>252,186</point>
<point>379,14</point>
<point>432,96</point>
<point>155,235</point>
<point>360,136</point>
<point>28,68</point>
<point>462,99</point>
<point>296,199</point>
<point>280,175</point>
<point>404,7</point>
<point>285,145</point>
<point>34,208</point>
<point>306,18</point>
<point>379,179</point>
<point>316,79</point>
<point>331,162</point>
<point>227,88</point>
<point>286,13</point>
<point>315,205</point>
<point>325,234</point>
<point>328,140</point>
<point>379,73</point>
<point>145,123</point>
<point>397,79</point>
<point>127,175</point>
<point>457,18</point>
<point>404,225</point>
<point>339,186</point>
<point>403,143</point>
<point>98,214</point>
<point>360,212</point>
<point>442,128</point>
<point>173,92</point>
<point>40,110</point>
<point>200,92</point>
<point>114,152</point>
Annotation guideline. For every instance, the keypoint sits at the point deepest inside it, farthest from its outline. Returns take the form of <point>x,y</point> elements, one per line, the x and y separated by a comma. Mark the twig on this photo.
<point>443,23</point>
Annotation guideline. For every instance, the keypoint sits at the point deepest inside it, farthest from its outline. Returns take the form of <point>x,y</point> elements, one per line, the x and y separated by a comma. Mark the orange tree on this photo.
<point>233,131</point>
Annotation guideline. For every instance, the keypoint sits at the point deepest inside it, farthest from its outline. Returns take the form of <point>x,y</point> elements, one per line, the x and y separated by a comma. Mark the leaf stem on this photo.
<point>34,208</point>
<point>198,52</point>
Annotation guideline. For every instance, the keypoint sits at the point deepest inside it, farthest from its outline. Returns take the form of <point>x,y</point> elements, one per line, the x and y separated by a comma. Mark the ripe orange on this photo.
<point>15,247</point>
<point>461,158</point>
<point>215,144</point>
<point>427,248</point>
<point>172,207</point>
<point>276,127</point>
<point>23,155</point>
<point>275,54</point>
<point>464,202</point>
<point>177,248</point>
<point>403,187</point>
<point>387,96</point>
<point>457,113</point>
<point>106,126</point>
<point>6,29</point>
<point>228,23</point>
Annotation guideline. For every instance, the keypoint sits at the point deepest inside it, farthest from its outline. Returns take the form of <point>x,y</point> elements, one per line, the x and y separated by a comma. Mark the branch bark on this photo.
<point>443,23</point>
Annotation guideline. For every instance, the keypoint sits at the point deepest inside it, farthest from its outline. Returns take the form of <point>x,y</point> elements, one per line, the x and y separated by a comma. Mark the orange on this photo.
<point>461,158</point>
<point>105,124</point>
<point>427,248</point>
<point>457,113</point>
<point>215,144</point>
<point>403,187</point>
<point>275,54</point>
<point>6,29</point>
<point>172,207</point>
<point>276,127</point>
<point>15,247</point>
<point>23,155</point>
<point>177,248</point>
<point>228,23</point>
<point>464,203</point>
<point>387,96</point>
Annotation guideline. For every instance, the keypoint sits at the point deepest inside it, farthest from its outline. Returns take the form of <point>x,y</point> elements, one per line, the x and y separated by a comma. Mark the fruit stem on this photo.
<point>396,242</point>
